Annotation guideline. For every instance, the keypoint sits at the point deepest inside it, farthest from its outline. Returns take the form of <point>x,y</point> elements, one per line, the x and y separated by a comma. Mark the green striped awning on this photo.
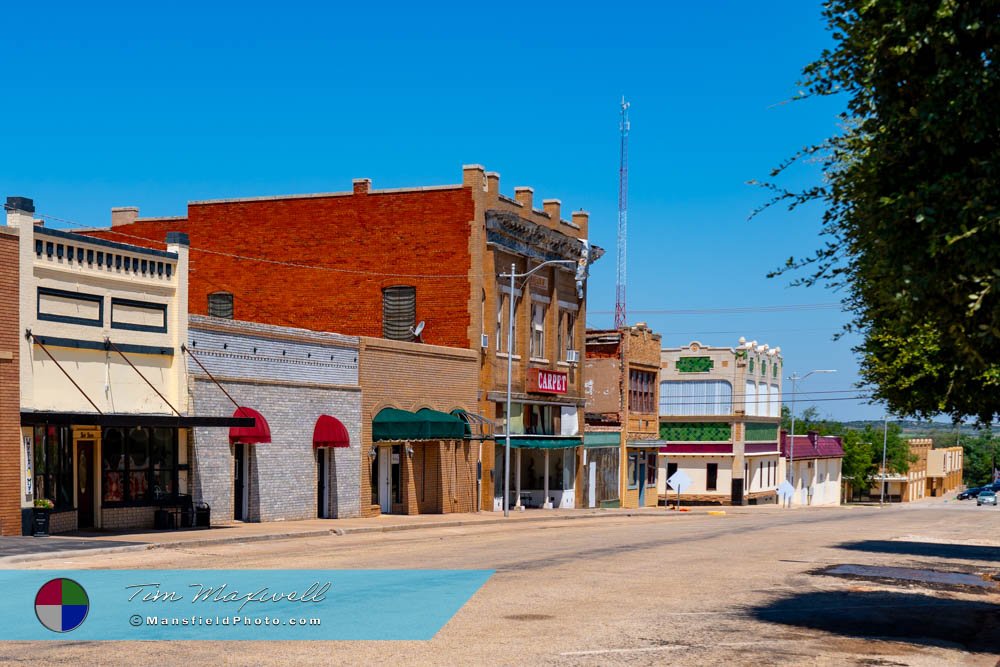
<point>541,441</point>
<point>425,424</point>
<point>602,439</point>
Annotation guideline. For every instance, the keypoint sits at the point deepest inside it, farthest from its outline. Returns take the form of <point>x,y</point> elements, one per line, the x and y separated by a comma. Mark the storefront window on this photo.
<point>54,465</point>
<point>633,471</point>
<point>651,470</point>
<point>140,465</point>
<point>539,419</point>
<point>113,465</point>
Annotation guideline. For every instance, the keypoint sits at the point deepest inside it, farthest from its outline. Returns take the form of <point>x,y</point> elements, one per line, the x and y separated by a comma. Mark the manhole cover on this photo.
<point>916,575</point>
<point>529,617</point>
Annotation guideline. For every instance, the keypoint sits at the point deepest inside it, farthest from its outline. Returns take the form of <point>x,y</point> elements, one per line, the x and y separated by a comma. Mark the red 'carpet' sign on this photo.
<point>547,382</point>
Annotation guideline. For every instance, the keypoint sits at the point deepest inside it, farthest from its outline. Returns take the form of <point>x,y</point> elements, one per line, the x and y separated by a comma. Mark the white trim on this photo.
<point>567,305</point>
<point>540,298</point>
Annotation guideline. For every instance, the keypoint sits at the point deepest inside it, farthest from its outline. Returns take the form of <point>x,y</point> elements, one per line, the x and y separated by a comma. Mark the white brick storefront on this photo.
<point>291,377</point>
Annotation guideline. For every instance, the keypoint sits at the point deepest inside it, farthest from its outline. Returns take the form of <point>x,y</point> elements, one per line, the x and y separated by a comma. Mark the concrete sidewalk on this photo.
<point>22,549</point>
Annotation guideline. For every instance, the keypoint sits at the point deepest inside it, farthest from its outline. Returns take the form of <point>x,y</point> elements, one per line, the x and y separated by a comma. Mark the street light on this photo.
<point>581,272</point>
<point>794,377</point>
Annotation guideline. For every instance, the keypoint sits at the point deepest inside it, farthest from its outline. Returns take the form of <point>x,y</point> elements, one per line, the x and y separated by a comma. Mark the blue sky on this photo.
<point>155,105</point>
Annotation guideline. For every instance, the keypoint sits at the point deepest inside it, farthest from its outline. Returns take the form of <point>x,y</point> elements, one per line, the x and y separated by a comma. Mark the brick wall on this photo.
<point>10,397</point>
<point>62,522</point>
<point>413,232</point>
<point>411,376</point>
<point>125,518</point>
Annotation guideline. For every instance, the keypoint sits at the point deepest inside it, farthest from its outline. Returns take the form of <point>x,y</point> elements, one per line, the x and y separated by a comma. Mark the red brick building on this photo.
<point>379,262</point>
<point>10,399</point>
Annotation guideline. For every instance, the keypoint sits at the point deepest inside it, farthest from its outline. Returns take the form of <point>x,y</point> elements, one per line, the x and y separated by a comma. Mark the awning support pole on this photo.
<point>37,342</point>
<point>517,479</point>
<point>546,504</point>
<point>151,386</point>
<point>185,348</point>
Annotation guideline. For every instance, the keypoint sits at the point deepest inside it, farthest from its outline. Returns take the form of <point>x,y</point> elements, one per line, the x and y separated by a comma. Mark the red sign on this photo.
<point>547,382</point>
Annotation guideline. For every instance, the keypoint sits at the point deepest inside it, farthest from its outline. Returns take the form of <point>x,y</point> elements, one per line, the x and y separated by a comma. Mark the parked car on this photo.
<point>970,493</point>
<point>986,497</point>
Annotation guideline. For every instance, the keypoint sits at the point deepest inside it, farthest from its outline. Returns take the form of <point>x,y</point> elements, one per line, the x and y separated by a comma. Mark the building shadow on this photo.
<point>927,549</point>
<point>907,617</point>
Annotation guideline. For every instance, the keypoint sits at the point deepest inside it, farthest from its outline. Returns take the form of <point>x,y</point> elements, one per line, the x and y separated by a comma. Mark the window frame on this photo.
<point>536,329</point>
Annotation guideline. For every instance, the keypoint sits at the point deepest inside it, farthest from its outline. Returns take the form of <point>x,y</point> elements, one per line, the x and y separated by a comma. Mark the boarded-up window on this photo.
<point>399,312</point>
<point>220,304</point>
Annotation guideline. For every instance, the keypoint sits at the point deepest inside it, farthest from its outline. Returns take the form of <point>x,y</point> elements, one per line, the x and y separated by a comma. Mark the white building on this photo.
<point>815,466</point>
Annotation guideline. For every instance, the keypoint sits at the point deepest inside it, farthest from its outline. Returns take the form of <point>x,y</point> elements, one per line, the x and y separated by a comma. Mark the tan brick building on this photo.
<point>407,387</point>
<point>911,485</point>
<point>944,470</point>
<point>10,415</point>
<point>621,443</point>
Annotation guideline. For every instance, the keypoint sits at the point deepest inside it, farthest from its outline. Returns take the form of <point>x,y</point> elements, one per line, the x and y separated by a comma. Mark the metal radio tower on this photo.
<point>620,318</point>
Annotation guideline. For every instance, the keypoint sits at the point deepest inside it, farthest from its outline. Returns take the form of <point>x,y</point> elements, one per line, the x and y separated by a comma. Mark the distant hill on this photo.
<point>916,429</point>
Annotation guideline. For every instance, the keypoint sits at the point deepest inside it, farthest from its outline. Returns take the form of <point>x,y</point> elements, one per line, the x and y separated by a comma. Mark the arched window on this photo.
<point>220,304</point>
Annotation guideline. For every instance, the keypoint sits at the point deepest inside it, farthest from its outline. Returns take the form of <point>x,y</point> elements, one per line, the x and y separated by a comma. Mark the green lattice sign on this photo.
<point>694,364</point>
<point>696,432</point>
<point>754,432</point>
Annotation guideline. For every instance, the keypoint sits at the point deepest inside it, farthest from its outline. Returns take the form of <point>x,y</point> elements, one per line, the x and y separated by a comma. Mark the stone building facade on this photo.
<point>291,378</point>
<point>719,412</point>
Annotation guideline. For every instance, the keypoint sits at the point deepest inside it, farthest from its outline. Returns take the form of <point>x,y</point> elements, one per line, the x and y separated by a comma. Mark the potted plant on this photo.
<point>40,517</point>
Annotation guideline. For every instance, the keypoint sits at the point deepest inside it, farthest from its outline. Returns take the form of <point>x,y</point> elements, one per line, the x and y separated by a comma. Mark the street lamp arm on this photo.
<point>542,265</point>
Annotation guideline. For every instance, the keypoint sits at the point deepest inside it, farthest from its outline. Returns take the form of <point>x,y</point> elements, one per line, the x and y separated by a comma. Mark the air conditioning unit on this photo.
<point>573,356</point>
<point>484,341</point>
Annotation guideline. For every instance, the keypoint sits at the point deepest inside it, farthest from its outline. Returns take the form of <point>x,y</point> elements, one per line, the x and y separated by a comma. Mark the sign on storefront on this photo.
<point>542,381</point>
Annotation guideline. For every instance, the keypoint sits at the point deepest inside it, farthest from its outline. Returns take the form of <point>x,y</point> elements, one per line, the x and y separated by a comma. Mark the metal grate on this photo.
<point>399,312</point>
<point>220,304</point>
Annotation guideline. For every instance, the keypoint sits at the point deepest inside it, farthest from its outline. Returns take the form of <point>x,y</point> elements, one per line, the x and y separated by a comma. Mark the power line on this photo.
<point>265,260</point>
<point>731,310</point>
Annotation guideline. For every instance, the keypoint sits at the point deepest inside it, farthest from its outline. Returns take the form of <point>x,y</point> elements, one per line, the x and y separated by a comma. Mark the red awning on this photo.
<point>250,435</point>
<point>330,432</point>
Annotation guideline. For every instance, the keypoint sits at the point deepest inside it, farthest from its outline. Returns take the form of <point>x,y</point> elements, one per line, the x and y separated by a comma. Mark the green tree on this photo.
<point>858,465</point>
<point>980,454</point>
<point>911,199</point>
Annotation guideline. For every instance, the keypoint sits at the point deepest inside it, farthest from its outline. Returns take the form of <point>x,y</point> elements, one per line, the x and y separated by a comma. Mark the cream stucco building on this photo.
<point>103,386</point>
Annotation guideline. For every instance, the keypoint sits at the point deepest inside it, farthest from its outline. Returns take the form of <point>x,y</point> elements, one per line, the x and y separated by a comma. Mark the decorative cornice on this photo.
<point>528,239</point>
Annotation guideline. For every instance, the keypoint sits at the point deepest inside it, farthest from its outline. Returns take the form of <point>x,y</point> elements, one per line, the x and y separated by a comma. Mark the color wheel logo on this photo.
<point>61,605</point>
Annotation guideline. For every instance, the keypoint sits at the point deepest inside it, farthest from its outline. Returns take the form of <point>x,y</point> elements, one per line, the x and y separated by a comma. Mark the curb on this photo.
<point>353,530</point>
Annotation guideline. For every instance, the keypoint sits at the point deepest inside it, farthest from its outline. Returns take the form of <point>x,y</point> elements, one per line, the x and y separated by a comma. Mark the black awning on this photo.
<point>30,418</point>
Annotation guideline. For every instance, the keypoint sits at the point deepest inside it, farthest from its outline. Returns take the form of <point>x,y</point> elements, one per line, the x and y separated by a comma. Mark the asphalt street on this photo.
<point>748,588</point>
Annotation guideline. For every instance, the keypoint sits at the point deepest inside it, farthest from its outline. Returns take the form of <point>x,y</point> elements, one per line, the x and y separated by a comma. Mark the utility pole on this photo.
<point>620,316</point>
<point>885,440</point>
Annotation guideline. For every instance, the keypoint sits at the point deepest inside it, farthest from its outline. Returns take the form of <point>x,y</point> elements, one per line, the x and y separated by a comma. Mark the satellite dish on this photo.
<point>417,330</point>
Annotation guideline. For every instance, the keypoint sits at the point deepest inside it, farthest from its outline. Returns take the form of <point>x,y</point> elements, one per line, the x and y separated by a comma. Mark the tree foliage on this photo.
<point>911,198</point>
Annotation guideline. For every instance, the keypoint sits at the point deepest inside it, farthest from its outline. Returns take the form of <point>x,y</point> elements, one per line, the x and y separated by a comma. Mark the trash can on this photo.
<point>202,515</point>
<point>163,520</point>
